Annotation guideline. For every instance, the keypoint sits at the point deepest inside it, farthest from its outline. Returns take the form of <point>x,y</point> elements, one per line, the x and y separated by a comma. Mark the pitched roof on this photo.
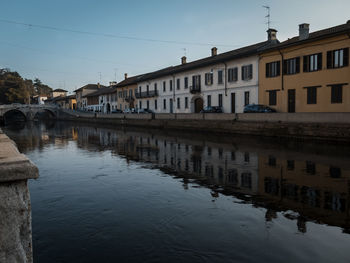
<point>60,90</point>
<point>101,91</point>
<point>90,86</point>
<point>233,54</point>
<point>314,36</point>
<point>129,81</point>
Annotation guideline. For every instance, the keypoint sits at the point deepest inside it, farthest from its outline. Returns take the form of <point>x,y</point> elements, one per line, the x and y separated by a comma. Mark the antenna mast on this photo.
<point>268,16</point>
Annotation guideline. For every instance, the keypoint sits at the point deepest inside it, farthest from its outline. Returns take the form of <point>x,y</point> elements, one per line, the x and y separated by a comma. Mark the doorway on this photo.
<point>198,105</point>
<point>291,100</point>
<point>233,102</point>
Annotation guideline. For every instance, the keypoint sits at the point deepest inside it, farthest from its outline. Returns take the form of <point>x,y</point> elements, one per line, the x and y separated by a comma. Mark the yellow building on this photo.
<point>307,73</point>
<point>126,91</point>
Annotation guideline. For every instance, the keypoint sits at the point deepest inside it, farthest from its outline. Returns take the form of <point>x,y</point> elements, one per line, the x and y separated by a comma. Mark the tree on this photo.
<point>15,89</point>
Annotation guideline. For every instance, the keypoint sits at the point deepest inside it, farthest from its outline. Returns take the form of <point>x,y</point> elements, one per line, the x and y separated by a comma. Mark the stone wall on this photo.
<point>15,209</point>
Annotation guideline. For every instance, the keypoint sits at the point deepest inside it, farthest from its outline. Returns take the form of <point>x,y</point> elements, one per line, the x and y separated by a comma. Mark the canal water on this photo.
<point>136,195</point>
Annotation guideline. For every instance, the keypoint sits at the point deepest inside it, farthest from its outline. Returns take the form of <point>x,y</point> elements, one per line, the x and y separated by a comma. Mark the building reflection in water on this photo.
<point>312,180</point>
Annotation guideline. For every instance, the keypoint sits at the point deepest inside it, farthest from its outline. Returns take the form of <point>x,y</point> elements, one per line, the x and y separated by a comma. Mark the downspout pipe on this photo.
<point>282,73</point>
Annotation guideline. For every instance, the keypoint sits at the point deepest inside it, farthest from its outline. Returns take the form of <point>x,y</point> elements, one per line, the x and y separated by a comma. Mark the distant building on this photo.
<point>82,92</point>
<point>58,92</point>
<point>102,100</point>
<point>64,102</point>
<point>39,99</point>
<point>126,91</point>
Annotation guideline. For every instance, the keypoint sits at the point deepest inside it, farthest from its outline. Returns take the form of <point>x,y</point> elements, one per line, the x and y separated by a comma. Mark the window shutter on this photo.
<point>250,71</point>
<point>267,73</point>
<point>346,57</point>
<point>329,59</point>
<point>278,68</point>
<point>297,65</point>
<point>319,61</point>
<point>235,74</point>
<point>242,73</point>
<point>305,63</point>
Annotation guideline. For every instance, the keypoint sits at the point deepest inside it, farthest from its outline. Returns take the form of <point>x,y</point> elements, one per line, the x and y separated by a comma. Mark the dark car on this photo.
<point>212,109</point>
<point>144,111</point>
<point>257,108</point>
<point>116,111</point>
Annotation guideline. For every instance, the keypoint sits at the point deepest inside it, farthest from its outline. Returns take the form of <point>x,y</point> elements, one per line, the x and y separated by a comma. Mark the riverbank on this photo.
<point>333,127</point>
<point>15,208</point>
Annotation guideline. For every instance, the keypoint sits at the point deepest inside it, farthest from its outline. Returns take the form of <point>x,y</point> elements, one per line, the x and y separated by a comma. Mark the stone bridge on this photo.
<point>26,110</point>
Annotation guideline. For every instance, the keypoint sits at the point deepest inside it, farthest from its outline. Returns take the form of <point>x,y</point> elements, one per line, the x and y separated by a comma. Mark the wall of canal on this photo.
<point>15,207</point>
<point>334,127</point>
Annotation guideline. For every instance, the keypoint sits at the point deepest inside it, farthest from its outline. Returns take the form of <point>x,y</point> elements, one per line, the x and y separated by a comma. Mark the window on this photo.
<point>232,74</point>
<point>155,86</point>
<point>246,157</point>
<point>337,94</point>
<point>272,69</point>
<point>272,97</point>
<point>311,95</point>
<point>290,165</point>
<point>171,84</point>
<point>155,104</point>
<point>312,62</point>
<point>209,100</point>
<point>178,103</point>
<point>147,89</point>
<point>220,100</point>
<point>148,104</point>
<point>246,98</point>
<point>186,102</point>
<point>208,79</point>
<point>247,72</point>
<point>164,104</point>
<point>164,86</point>
<point>272,161</point>
<point>291,66</point>
<point>220,77</point>
<point>186,83</point>
<point>196,82</point>
<point>338,58</point>
<point>140,104</point>
<point>310,167</point>
<point>178,84</point>
<point>335,172</point>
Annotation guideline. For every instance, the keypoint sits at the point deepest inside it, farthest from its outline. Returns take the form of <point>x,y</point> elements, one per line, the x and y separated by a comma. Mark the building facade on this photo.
<point>82,92</point>
<point>228,80</point>
<point>307,73</point>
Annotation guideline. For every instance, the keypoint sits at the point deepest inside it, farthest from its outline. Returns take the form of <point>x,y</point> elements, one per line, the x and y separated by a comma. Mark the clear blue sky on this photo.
<point>70,60</point>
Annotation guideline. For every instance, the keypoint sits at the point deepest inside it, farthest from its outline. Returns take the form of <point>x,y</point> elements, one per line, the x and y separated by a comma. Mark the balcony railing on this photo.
<point>129,98</point>
<point>146,94</point>
<point>195,89</point>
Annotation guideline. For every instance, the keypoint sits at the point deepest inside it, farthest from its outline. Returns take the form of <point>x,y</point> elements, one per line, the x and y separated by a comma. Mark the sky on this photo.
<point>70,43</point>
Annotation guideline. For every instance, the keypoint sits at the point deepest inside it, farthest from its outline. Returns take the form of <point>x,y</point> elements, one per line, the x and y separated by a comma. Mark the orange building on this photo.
<point>307,73</point>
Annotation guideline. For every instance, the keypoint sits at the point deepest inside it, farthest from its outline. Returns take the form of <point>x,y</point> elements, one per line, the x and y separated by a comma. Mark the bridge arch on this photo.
<point>37,112</point>
<point>13,115</point>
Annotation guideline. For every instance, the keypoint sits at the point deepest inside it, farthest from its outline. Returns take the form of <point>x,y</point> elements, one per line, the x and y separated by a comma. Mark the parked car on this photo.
<point>257,108</point>
<point>130,110</point>
<point>116,111</point>
<point>212,109</point>
<point>140,111</point>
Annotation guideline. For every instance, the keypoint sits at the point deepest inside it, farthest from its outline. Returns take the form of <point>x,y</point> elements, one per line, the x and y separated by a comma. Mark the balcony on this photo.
<point>146,94</point>
<point>195,89</point>
<point>129,98</point>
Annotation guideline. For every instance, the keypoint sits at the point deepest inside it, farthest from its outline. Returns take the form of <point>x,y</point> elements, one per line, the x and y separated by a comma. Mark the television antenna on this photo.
<point>268,16</point>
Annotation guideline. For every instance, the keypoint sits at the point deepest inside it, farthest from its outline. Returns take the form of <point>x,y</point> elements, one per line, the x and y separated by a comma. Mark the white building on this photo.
<point>228,80</point>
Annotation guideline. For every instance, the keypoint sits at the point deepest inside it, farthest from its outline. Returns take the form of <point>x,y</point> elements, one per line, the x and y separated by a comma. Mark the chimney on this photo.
<point>304,31</point>
<point>272,34</point>
<point>183,60</point>
<point>214,51</point>
<point>98,85</point>
<point>125,75</point>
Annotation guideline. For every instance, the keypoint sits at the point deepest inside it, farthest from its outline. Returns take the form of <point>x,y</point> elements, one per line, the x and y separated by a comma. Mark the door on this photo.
<point>233,102</point>
<point>198,105</point>
<point>291,100</point>
<point>171,105</point>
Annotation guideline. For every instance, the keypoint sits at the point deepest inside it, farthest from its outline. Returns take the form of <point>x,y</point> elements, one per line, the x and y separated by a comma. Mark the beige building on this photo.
<point>58,93</point>
<point>307,73</point>
<point>82,92</point>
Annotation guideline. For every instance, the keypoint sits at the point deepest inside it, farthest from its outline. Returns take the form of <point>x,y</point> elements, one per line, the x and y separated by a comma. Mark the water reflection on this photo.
<point>309,182</point>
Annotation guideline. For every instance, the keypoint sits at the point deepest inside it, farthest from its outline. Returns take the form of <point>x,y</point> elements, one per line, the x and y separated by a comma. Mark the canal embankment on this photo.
<point>334,127</point>
<point>15,206</point>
